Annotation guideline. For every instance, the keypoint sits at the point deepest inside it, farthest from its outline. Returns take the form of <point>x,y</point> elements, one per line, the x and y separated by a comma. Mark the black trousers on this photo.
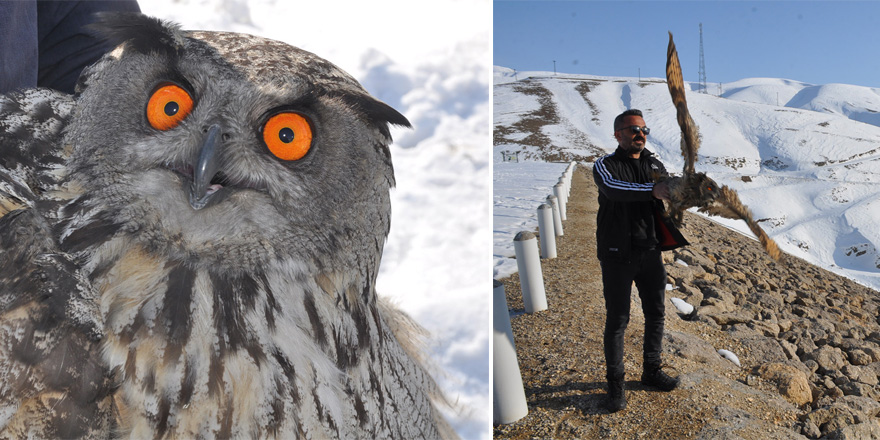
<point>645,268</point>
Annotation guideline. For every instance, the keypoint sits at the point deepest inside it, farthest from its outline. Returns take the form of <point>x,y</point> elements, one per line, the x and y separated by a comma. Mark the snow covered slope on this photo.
<point>808,168</point>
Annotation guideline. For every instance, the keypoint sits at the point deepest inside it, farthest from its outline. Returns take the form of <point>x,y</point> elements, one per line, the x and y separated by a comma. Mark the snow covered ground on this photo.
<point>435,261</point>
<point>809,167</point>
<point>520,187</point>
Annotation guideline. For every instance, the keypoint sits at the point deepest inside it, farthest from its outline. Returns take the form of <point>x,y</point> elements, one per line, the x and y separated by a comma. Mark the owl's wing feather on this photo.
<point>411,337</point>
<point>54,385</point>
<point>728,205</point>
<point>31,156</point>
<point>690,135</point>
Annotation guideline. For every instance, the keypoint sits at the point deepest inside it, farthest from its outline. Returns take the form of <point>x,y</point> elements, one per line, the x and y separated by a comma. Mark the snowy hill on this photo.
<point>809,168</point>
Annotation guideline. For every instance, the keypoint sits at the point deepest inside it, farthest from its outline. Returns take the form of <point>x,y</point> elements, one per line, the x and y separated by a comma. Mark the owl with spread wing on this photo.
<point>189,248</point>
<point>693,189</point>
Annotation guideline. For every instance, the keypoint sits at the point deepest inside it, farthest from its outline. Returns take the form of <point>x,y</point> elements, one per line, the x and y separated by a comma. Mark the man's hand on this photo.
<point>661,191</point>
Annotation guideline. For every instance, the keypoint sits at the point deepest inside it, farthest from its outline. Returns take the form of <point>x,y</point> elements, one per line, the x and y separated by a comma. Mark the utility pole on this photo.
<point>554,67</point>
<point>702,73</point>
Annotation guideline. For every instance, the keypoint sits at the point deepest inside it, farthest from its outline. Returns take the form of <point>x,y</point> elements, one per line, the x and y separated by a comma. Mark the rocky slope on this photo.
<point>808,342</point>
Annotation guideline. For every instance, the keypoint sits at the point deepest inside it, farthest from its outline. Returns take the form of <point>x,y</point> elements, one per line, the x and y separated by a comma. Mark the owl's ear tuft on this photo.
<point>377,112</point>
<point>141,33</point>
<point>384,112</point>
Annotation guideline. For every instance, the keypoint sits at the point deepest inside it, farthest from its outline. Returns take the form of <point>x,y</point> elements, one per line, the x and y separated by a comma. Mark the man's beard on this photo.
<point>634,148</point>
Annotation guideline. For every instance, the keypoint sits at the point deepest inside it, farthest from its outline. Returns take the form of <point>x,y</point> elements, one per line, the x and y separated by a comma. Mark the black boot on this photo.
<point>616,396</point>
<point>655,377</point>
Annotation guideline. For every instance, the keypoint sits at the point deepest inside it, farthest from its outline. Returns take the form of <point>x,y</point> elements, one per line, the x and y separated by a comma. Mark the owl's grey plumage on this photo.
<point>189,248</point>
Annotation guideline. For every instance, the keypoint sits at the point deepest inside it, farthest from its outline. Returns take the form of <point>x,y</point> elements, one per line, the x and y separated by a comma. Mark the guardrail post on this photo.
<point>557,219</point>
<point>565,183</point>
<point>559,192</point>
<point>530,277</point>
<point>508,394</point>
<point>545,229</point>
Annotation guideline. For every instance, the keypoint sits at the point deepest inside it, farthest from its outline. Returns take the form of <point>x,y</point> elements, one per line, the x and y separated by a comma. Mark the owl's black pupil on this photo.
<point>171,108</point>
<point>286,135</point>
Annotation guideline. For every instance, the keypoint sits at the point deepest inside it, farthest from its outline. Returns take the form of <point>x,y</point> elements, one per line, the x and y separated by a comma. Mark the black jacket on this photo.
<point>47,44</point>
<point>629,215</point>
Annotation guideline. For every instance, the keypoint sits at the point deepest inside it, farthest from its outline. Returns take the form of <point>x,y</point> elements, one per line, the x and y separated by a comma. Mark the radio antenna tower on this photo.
<point>702,73</point>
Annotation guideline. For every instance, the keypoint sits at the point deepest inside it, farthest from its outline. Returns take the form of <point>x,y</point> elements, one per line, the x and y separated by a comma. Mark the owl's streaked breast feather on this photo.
<point>129,311</point>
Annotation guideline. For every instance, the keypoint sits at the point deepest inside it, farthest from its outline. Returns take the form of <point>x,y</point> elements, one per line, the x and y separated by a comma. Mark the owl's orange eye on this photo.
<point>288,135</point>
<point>168,106</point>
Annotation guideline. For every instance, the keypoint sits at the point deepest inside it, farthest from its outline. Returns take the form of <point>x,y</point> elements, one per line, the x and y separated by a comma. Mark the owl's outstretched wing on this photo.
<point>728,205</point>
<point>691,189</point>
<point>690,134</point>
<point>52,382</point>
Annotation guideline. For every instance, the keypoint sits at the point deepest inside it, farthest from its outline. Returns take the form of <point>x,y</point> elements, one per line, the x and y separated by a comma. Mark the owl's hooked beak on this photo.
<point>205,169</point>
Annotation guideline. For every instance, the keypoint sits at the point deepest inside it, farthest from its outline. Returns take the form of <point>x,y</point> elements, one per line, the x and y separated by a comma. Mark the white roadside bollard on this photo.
<point>545,229</point>
<point>530,277</point>
<point>557,219</point>
<point>508,394</point>
<point>565,191</point>
<point>559,192</point>
<point>566,176</point>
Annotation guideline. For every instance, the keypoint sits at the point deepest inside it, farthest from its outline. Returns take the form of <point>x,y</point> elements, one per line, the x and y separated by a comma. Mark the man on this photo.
<point>47,44</point>
<point>630,233</point>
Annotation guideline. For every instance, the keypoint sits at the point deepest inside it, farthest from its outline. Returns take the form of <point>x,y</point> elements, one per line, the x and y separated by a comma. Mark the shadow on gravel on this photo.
<point>588,397</point>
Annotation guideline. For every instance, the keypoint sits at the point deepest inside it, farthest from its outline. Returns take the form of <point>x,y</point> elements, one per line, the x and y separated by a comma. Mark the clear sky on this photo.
<point>817,42</point>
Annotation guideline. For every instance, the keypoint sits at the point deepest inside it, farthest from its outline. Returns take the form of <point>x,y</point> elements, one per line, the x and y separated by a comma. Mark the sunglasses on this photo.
<point>636,129</point>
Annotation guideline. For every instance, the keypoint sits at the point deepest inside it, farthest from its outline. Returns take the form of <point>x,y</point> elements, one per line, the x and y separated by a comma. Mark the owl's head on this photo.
<point>227,146</point>
<point>706,190</point>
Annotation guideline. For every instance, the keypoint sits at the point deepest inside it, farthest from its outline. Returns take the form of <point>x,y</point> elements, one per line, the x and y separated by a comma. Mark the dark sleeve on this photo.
<point>612,187</point>
<point>18,45</point>
<point>65,47</point>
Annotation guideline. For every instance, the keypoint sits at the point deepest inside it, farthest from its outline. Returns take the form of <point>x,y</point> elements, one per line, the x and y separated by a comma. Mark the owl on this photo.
<point>189,248</point>
<point>693,189</point>
<point>689,190</point>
